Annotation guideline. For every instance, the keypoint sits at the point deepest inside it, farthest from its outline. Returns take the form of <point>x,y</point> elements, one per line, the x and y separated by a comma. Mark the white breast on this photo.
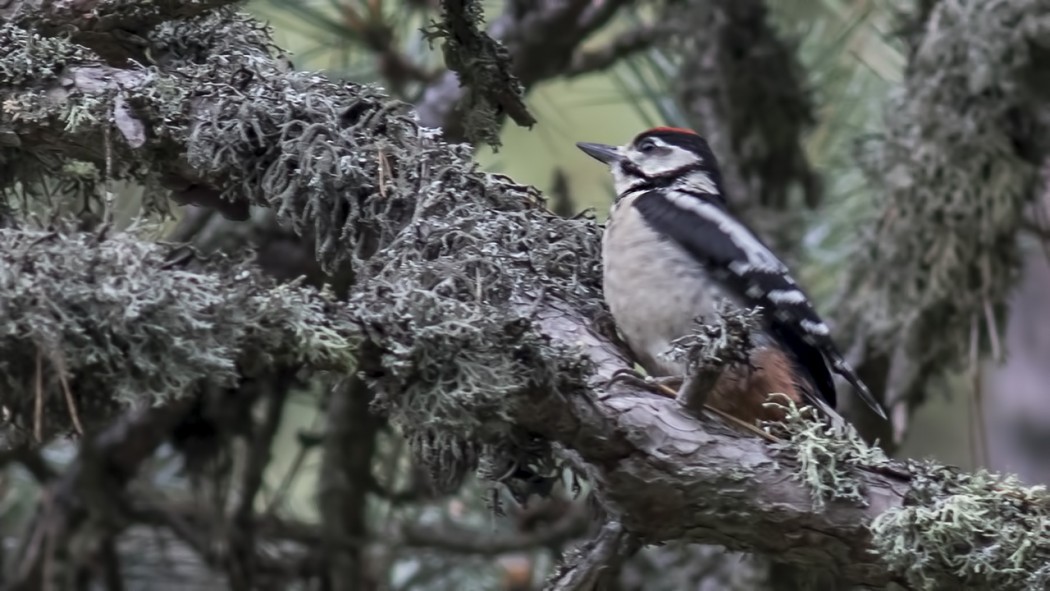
<point>653,287</point>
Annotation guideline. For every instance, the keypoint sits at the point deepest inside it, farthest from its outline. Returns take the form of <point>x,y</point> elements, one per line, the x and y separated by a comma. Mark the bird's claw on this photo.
<point>675,387</point>
<point>663,385</point>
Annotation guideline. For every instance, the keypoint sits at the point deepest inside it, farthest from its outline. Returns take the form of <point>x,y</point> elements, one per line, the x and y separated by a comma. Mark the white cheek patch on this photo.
<point>619,178</point>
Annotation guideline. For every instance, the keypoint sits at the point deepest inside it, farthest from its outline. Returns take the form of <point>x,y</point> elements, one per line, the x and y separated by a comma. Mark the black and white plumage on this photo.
<point>672,250</point>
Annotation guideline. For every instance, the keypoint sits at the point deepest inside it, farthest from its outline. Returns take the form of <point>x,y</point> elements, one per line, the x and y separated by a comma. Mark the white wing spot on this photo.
<point>787,296</point>
<point>754,292</point>
<point>740,268</point>
<point>818,328</point>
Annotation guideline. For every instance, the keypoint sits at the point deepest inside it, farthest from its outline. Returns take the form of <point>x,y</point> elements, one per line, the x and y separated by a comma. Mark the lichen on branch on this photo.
<point>117,322</point>
<point>953,174</point>
<point>439,249</point>
<point>484,69</point>
<point>982,529</point>
<point>828,455</point>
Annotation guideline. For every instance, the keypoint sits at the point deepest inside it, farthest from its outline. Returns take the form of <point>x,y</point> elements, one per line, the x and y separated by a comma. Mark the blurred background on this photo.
<point>792,94</point>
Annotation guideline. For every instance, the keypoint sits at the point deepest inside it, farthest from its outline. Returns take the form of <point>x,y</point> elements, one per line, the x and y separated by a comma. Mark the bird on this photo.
<point>673,252</point>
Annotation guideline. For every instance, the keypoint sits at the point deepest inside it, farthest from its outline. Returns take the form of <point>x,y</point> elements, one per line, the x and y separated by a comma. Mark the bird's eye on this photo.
<point>647,146</point>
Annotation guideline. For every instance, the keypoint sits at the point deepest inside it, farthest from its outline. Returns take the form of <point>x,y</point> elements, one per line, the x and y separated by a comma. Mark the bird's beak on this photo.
<point>600,152</point>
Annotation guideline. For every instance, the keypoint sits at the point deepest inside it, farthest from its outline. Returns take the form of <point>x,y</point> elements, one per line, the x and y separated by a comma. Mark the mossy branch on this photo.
<point>113,29</point>
<point>954,174</point>
<point>479,314</point>
<point>484,69</point>
<point>91,326</point>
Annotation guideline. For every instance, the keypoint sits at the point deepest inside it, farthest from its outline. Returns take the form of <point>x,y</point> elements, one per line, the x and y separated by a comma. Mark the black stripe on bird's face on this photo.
<point>652,162</point>
<point>661,158</point>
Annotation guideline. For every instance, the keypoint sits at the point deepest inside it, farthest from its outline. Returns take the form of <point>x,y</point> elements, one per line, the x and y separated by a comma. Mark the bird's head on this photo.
<point>660,158</point>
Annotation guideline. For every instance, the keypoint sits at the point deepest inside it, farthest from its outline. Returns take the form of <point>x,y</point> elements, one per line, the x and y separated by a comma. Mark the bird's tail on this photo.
<point>843,369</point>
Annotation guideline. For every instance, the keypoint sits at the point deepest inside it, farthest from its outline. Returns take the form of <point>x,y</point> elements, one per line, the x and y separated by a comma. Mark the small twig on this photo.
<point>693,392</point>
<point>978,444</point>
<point>71,405</point>
<point>450,537</point>
<point>384,166</point>
<point>29,562</point>
<point>193,221</point>
<point>595,15</point>
<point>561,200</point>
<point>606,552</point>
<point>158,514</point>
<point>1036,230</point>
<point>110,559</point>
<point>105,463</point>
<point>397,497</point>
<point>243,555</point>
<point>306,443</point>
<point>596,60</point>
<point>259,455</point>
<point>110,196</point>
<point>993,331</point>
<point>744,425</point>
<point>38,399</point>
<point>727,417</point>
<point>30,459</point>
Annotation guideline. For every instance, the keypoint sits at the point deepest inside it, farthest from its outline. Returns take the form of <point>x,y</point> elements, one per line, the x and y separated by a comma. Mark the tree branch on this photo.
<point>158,328</point>
<point>481,319</point>
<point>633,41</point>
<point>344,484</point>
<point>604,553</point>
<point>483,66</point>
<point>450,537</point>
<point>113,29</point>
<point>541,42</point>
<point>105,464</point>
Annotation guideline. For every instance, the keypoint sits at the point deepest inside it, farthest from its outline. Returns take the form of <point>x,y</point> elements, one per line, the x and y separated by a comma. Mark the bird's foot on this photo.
<point>684,390</point>
<point>663,385</point>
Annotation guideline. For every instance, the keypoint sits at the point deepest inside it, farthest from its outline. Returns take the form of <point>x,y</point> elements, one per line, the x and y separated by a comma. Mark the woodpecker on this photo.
<point>672,251</point>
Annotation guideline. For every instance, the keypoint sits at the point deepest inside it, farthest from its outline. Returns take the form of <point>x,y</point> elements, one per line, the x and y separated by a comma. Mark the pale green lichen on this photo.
<point>828,455</point>
<point>448,260</point>
<point>32,60</point>
<point>122,325</point>
<point>953,530</point>
<point>967,531</point>
<point>724,339</point>
<point>54,87</point>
